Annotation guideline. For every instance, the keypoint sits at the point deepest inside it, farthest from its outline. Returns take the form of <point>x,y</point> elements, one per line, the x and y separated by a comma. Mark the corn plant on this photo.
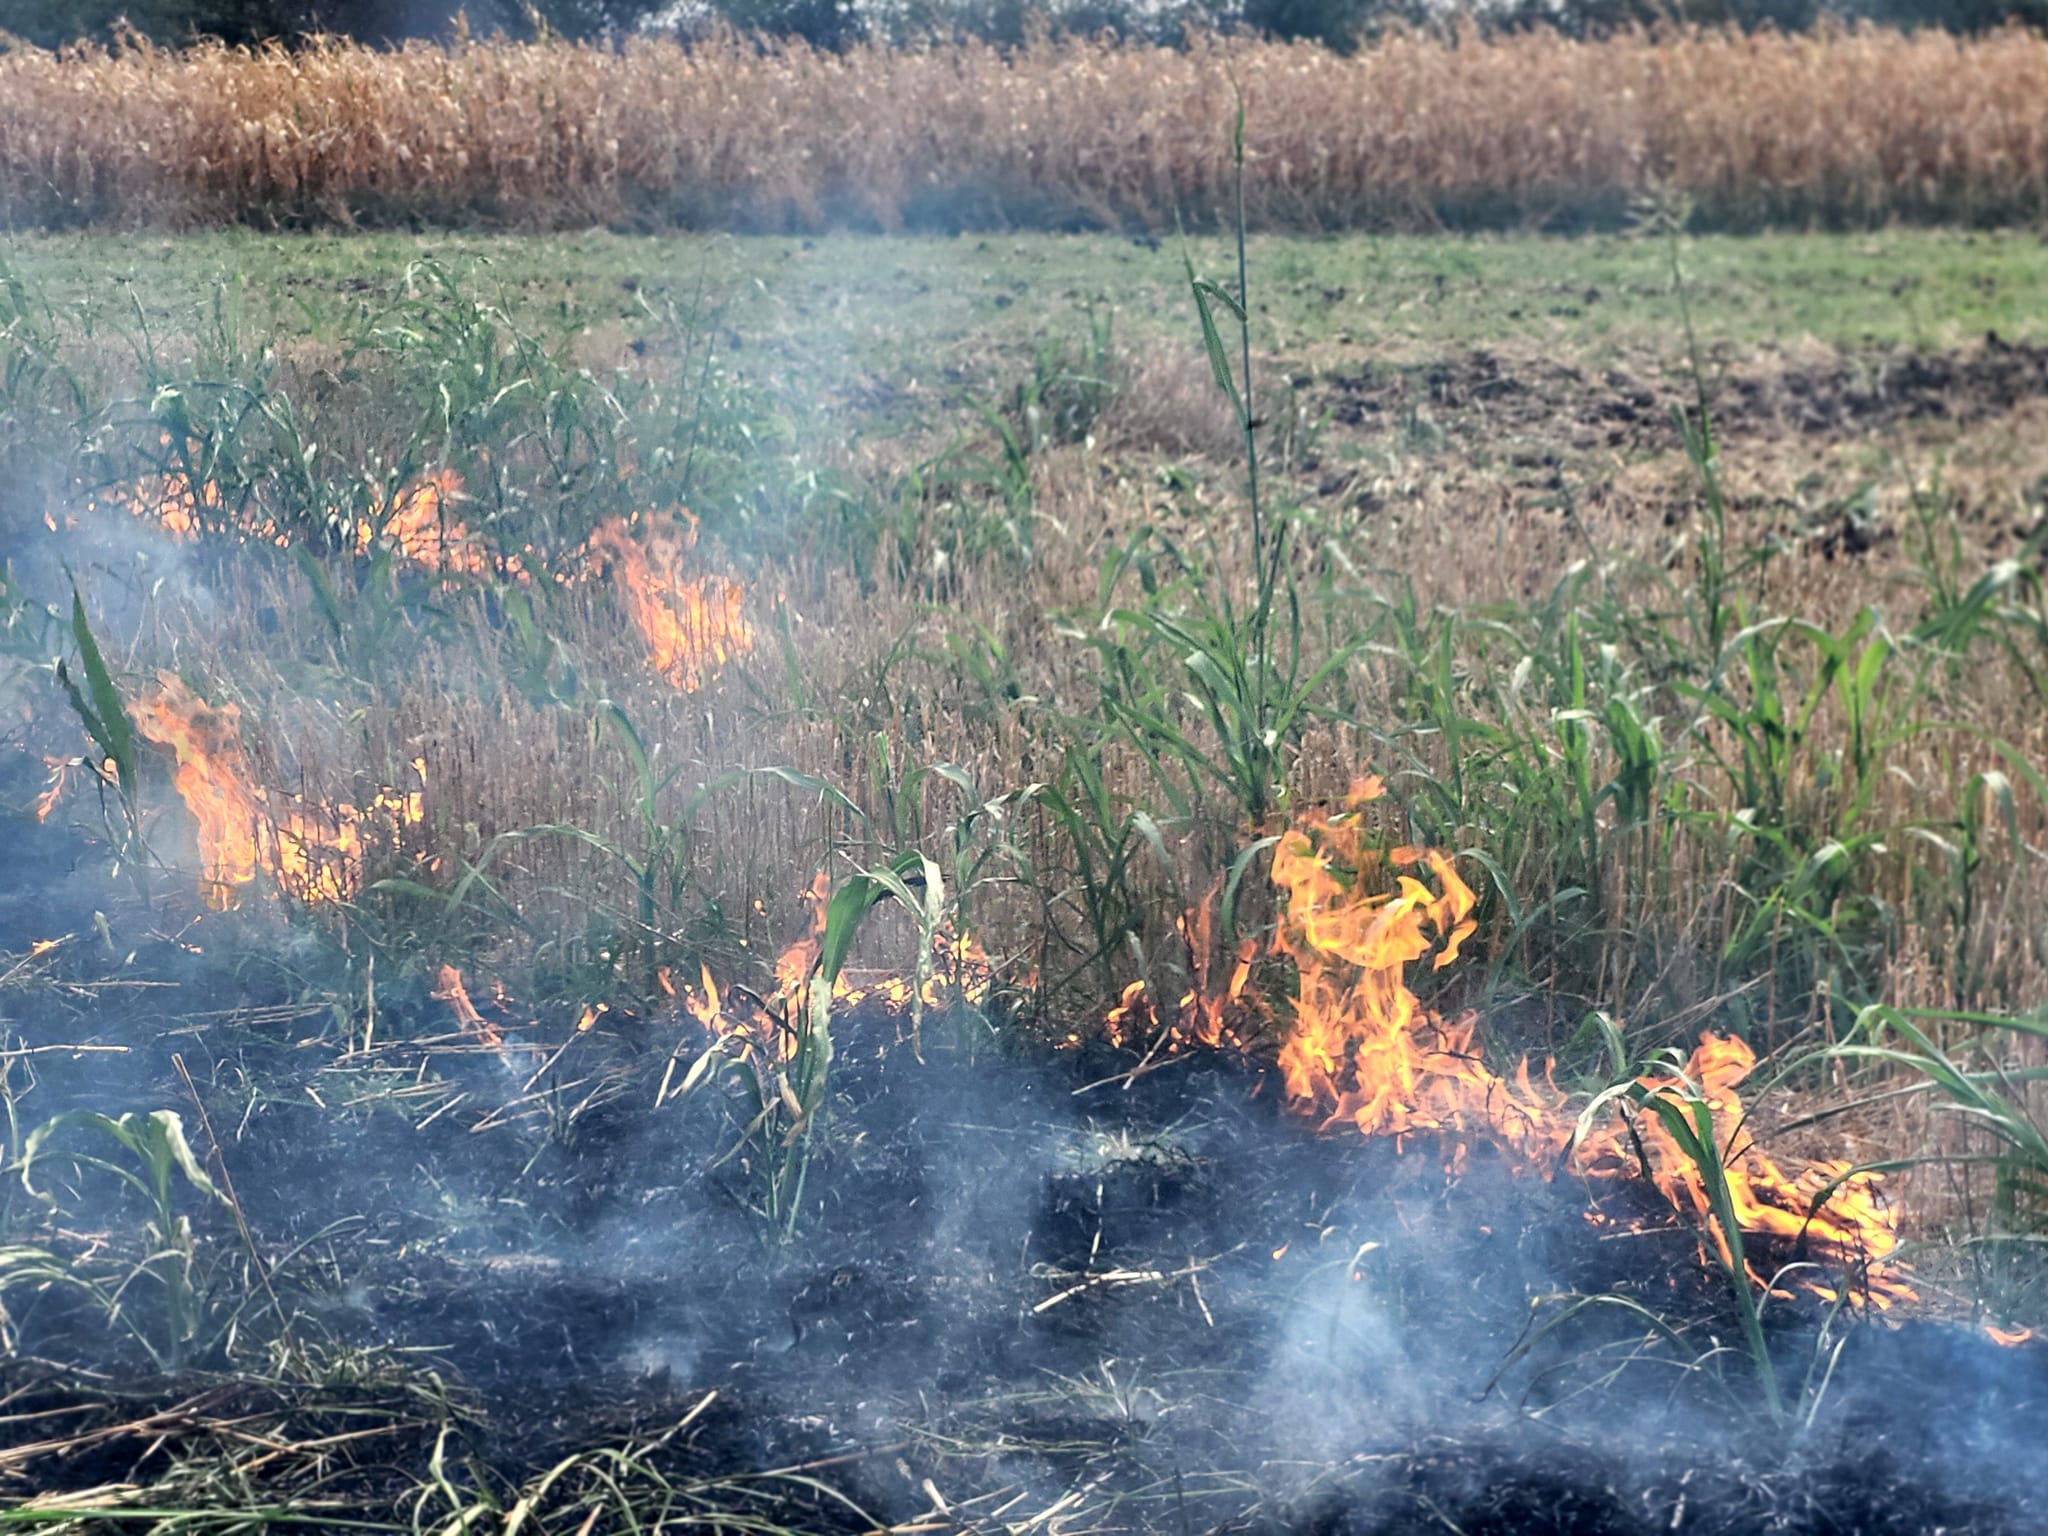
<point>1190,647</point>
<point>1688,1117</point>
<point>784,1080</point>
<point>704,134</point>
<point>150,1156</point>
<point>1989,1098</point>
<point>1106,836</point>
<point>105,718</point>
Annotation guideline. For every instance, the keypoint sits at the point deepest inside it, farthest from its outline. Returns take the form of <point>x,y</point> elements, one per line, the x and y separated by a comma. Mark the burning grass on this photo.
<point>1415,131</point>
<point>888,1001</point>
<point>310,853</point>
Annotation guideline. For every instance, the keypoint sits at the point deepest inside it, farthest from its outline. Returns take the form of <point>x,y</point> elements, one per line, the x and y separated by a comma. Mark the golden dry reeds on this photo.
<point>1418,131</point>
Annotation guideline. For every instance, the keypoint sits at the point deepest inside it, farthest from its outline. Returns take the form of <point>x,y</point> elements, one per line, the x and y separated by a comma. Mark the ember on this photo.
<point>448,988</point>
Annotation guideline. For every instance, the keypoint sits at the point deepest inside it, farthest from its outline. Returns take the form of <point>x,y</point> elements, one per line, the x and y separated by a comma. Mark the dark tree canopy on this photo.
<point>835,23</point>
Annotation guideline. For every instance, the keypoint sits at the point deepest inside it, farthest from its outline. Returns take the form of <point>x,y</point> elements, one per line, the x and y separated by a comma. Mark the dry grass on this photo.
<point>866,676</point>
<point>1838,127</point>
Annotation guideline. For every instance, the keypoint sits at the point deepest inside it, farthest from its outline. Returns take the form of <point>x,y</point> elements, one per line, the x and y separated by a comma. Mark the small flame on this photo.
<point>421,526</point>
<point>956,969</point>
<point>170,500</point>
<point>62,770</point>
<point>314,853</point>
<point>692,625</point>
<point>1209,1014</point>
<point>449,989</point>
<point>417,522</point>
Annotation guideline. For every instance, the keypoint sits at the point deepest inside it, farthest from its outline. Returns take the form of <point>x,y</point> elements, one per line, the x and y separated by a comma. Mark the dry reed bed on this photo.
<point>1836,127</point>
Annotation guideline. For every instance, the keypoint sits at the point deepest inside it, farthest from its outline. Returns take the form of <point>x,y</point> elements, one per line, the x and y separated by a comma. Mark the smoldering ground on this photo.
<point>1021,1278</point>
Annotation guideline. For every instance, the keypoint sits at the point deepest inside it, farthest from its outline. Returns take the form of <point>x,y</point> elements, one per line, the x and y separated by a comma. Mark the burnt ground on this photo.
<point>1025,1288</point>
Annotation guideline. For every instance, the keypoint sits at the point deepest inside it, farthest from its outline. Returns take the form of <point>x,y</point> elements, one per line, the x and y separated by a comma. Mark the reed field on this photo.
<point>1416,132</point>
<point>568,764</point>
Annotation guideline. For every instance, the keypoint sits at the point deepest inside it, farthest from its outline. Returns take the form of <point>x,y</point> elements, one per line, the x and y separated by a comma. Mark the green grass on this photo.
<point>913,305</point>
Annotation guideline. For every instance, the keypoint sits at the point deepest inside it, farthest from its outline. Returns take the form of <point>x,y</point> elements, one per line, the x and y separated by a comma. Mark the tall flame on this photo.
<point>1364,1048</point>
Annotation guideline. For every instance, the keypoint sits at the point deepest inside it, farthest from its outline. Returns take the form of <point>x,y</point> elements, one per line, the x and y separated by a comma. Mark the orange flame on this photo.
<point>1824,1213</point>
<point>1365,1050</point>
<point>313,853</point>
<point>448,988</point>
<point>421,526</point>
<point>958,969</point>
<point>692,625</point>
<point>418,521</point>
<point>61,771</point>
<point>168,499</point>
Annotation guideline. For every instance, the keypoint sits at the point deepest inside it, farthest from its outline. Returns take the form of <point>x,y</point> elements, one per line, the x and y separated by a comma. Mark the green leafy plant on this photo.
<point>1246,681</point>
<point>105,718</point>
<point>1688,1118</point>
<point>149,1155</point>
<point>1972,1080</point>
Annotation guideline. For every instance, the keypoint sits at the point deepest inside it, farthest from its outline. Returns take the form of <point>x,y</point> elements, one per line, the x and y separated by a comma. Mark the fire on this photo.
<point>956,968</point>
<point>420,525</point>
<point>418,521</point>
<point>61,771</point>
<point>313,853</point>
<point>1213,1012</point>
<point>1364,1050</point>
<point>692,625</point>
<point>171,500</point>
<point>448,988</point>
<point>1824,1213</point>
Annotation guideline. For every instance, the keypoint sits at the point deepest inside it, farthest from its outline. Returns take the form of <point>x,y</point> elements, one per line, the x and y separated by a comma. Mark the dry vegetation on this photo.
<point>1415,132</point>
<point>1741,737</point>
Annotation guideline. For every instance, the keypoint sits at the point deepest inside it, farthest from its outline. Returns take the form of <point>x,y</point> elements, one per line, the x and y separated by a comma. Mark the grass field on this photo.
<point>872,304</point>
<point>1686,592</point>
